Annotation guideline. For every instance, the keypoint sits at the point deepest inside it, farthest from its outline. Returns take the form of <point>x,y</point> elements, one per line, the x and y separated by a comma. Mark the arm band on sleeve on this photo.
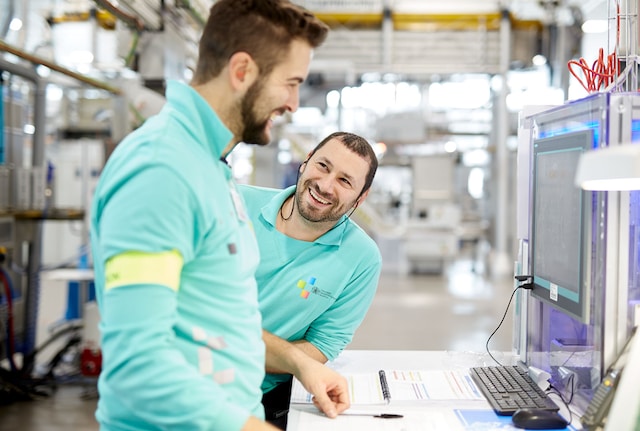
<point>135,267</point>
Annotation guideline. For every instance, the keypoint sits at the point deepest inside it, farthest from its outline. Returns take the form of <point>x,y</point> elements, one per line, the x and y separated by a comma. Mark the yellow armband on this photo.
<point>135,267</point>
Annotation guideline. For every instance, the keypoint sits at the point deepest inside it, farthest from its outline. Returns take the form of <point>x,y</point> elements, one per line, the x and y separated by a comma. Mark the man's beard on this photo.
<point>333,215</point>
<point>254,131</point>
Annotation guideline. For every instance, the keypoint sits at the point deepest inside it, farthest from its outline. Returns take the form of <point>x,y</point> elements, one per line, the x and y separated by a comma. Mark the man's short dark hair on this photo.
<point>262,28</point>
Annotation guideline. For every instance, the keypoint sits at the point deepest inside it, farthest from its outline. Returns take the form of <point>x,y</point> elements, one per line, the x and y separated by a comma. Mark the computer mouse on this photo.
<point>538,419</point>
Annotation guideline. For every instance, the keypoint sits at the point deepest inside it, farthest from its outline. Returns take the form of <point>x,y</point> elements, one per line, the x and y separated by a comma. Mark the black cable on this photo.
<point>528,285</point>
<point>55,336</point>
<point>293,202</point>
<point>75,340</point>
<point>293,205</point>
<point>570,383</point>
<point>500,324</point>
<point>16,387</point>
<point>11,389</point>
<point>565,402</point>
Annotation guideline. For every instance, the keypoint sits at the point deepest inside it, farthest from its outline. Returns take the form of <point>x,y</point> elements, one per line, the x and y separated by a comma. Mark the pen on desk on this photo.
<point>375,415</point>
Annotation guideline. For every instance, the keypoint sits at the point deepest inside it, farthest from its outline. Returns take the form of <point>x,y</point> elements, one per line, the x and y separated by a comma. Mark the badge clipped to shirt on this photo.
<point>237,203</point>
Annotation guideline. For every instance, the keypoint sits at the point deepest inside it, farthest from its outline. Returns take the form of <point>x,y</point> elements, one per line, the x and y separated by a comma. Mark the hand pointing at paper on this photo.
<point>329,388</point>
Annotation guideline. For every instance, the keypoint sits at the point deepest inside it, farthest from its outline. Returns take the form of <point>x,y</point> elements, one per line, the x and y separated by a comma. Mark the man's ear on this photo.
<point>303,165</point>
<point>243,71</point>
<point>361,198</point>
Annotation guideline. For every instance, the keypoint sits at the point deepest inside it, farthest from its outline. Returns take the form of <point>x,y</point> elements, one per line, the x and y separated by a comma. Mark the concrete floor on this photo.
<point>454,311</point>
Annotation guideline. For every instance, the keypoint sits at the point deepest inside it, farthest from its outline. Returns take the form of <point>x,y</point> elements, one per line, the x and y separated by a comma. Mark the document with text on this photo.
<point>387,386</point>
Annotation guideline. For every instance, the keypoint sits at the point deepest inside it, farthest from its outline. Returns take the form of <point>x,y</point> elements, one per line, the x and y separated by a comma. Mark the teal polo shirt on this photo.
<point>184,354</point>
<point>316,291</point>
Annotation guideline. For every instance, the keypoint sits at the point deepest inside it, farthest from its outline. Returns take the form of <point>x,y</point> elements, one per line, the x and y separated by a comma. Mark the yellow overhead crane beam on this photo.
<point>426,22</point>
<point>351,20</point>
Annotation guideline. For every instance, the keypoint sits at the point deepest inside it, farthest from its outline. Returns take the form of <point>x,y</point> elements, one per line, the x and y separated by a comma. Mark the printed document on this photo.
<point>387,386</point>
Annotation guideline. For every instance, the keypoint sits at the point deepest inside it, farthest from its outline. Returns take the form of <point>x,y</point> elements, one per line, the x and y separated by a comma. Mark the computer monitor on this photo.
<point>560,219</point>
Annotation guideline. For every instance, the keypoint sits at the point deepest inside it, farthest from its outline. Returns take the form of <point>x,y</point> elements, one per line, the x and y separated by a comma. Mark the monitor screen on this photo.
<point>559,219</point>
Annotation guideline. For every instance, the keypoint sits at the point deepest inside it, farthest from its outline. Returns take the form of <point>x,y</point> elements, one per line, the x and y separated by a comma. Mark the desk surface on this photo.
<point>449,415</point>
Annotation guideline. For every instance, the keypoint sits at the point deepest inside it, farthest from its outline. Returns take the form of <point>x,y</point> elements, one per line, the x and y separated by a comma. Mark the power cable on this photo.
<point>528,285</point>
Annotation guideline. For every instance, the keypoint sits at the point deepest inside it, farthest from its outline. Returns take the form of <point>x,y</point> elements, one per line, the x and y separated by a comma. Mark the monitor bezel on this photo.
<point>583,141</point>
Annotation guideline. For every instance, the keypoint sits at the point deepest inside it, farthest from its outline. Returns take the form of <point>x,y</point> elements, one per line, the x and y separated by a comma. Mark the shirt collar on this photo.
<point>199,117</point>
<point>271,211</point>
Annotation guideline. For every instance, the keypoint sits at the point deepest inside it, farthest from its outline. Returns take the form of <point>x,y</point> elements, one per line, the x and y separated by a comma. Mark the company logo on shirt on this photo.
<point>309,286</point>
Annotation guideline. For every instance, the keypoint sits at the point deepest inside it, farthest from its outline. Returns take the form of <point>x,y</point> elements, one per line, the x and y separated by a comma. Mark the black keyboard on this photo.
<point>509,388</point>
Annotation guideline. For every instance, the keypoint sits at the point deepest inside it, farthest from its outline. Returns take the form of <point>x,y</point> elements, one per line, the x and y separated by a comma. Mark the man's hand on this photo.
<point>329,389</point>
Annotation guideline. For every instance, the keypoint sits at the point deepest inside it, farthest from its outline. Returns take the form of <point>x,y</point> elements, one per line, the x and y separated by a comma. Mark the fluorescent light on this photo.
<point>595,26</point>
<point>610,168</point>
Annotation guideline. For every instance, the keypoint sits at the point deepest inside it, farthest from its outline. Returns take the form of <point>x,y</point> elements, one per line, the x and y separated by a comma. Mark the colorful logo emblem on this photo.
<point>306,286</point>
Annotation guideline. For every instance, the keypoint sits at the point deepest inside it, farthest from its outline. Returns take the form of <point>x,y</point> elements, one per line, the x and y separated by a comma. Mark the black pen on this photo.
<point>388,416</point>
<point>374,415</point>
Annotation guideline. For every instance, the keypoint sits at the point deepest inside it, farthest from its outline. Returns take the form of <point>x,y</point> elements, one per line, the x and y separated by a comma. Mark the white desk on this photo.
<point>450,415</point>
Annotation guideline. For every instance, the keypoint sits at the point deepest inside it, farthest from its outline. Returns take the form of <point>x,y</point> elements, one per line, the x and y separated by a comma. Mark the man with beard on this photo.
<point>318,271</point>
<point>174,254</point>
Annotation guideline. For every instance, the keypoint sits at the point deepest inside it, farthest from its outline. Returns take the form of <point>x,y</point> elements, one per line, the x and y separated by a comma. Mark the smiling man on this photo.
<point>318,271</point>
<point>174,254</point>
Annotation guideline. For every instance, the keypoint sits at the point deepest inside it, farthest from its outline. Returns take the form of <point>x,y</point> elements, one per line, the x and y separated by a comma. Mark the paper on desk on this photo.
<point>428,420</point>
<point>432,385</point>
<point>404,386</point>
